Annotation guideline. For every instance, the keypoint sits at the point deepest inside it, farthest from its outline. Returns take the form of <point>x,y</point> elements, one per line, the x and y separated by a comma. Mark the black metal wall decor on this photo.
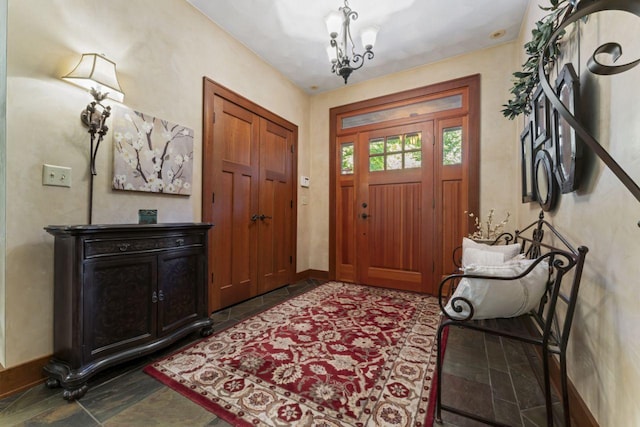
<point>579,10</point>
<point>546,188</point>
<point>567,149</point>
<point>538,155</point>
<point>526,166</point>
<point>540,115</point>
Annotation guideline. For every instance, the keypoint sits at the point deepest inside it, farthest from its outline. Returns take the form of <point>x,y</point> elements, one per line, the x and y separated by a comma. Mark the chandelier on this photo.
<point>338,25</point>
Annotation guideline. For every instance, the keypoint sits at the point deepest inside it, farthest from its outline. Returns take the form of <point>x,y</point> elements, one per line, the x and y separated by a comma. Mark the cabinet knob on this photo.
<point>154,297</point>
<point>179,242</point>
<point>123,246</point>
<point>161,296</point>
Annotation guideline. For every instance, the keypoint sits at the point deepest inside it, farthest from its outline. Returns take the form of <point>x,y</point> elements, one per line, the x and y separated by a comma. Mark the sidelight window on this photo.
<point>452,146</point>
<point>346,158</point>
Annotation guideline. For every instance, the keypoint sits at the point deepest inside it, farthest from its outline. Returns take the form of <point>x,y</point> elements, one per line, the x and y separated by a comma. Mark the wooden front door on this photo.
<point>393,206</point>
<point>248,194</point>
<point>403,169</point>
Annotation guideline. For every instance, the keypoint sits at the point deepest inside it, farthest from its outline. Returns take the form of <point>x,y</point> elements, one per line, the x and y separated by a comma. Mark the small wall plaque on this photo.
<point>147,216</point>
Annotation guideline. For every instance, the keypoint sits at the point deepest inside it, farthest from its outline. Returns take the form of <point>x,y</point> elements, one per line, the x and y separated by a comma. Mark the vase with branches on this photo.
<point>488,229</point>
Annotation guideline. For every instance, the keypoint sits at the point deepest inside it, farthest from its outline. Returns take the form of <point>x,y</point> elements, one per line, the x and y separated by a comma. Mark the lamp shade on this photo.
<point>369,37</point>
<point>334,23</point>
<point>96,72</point>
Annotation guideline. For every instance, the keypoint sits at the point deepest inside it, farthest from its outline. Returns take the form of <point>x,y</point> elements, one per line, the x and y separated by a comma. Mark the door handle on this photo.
<point>263,217</point>
<point>254,217</point>
<point>365,216</point>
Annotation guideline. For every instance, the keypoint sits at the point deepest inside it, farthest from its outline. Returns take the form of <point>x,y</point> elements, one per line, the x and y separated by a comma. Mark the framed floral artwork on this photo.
<point>151,154</point>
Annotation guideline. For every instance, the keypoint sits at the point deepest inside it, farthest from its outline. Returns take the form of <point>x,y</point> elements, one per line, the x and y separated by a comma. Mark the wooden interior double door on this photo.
<point>249,195</point>
<point>404,169</point>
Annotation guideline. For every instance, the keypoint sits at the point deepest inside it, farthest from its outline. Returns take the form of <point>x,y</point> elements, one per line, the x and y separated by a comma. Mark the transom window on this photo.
<point>395,152</point>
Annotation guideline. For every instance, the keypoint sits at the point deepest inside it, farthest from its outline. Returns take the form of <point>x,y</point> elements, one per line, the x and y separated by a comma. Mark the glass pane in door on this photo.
<point>346,158</point>
<point>395,152</point>
<point>452,146</point>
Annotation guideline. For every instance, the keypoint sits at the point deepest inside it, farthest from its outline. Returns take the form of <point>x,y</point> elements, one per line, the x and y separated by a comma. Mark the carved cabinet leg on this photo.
<point>206,331</point>
<point>52,383</point>
<point>75,393</point>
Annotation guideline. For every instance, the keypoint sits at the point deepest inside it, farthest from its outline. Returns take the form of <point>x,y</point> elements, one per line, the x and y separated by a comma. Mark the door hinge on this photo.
<point>213,117</point>
<point>433,204</point>
<point>290,259</point>
<point>433,266</point>
<point>292,149</point>
<point>211,277</point>
<point>213,198</point>
<point>292,204</point>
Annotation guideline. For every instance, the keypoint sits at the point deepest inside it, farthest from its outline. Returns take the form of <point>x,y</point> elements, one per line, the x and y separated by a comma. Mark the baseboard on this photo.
<point>21,377</point>
<point>580,414</point>
<point>312,274</point>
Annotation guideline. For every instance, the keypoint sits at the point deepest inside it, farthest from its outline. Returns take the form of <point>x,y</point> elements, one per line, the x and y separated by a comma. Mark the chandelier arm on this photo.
<point>358,60</point>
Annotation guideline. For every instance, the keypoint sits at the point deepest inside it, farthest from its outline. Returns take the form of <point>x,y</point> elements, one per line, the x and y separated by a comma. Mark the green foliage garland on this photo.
<point>526,81</point>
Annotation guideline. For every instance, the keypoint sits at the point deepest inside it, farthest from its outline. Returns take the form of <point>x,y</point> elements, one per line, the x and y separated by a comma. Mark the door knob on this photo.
<point>263,217</point>
<point>365,216</point>
<point>254,217</point>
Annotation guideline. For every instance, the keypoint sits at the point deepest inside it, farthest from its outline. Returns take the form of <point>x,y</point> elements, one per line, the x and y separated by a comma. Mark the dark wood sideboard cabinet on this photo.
<point>123,291</point>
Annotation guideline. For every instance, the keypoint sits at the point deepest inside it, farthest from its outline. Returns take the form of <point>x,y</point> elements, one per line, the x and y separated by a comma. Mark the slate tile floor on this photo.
<point>482,374</point>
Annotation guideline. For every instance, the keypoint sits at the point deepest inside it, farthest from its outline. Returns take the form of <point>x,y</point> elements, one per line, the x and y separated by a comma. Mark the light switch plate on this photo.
<point>304,181</point>
<point>56,175</point>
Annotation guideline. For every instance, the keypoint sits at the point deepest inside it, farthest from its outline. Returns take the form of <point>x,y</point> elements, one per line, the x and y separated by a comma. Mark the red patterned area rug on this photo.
<point>338,355</point>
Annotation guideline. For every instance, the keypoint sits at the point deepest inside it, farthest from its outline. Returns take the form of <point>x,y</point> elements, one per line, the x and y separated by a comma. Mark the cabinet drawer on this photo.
<point>98,247</point>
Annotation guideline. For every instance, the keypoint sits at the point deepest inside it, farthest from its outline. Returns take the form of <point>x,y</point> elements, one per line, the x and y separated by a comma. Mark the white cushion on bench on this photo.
<point>500,298</point>
<point>470,250</point>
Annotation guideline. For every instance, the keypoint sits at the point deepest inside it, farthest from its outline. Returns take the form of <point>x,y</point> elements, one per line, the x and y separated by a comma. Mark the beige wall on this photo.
<point>162,48</point>
<point>604,355</point>
<point>499,185</point>
<point>3,163</point>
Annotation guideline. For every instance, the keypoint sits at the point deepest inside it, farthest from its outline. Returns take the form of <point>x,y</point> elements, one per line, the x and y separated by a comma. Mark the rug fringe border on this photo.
<point>195,397</point>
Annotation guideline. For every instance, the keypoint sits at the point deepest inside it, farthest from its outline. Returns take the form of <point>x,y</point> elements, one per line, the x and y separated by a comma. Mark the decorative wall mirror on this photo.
<point>540,115</point>
<point>526,166</point>
<point>545,185</point>
<point>567,148</point>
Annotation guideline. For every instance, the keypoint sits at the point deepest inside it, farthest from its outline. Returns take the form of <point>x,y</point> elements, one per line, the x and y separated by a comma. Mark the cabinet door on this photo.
<point>181,297</point>
<point>118,310</point>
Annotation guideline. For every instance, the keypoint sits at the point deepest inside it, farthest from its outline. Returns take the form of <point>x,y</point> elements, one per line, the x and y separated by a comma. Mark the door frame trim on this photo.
<point>472,82</point>
<point>211,88</point>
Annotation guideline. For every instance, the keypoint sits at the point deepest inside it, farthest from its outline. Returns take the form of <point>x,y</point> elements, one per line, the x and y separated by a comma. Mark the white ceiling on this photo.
<point>291,34</point>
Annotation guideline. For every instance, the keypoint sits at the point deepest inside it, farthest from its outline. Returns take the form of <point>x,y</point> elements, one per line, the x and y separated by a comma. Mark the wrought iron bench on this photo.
<point>550,322</point>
